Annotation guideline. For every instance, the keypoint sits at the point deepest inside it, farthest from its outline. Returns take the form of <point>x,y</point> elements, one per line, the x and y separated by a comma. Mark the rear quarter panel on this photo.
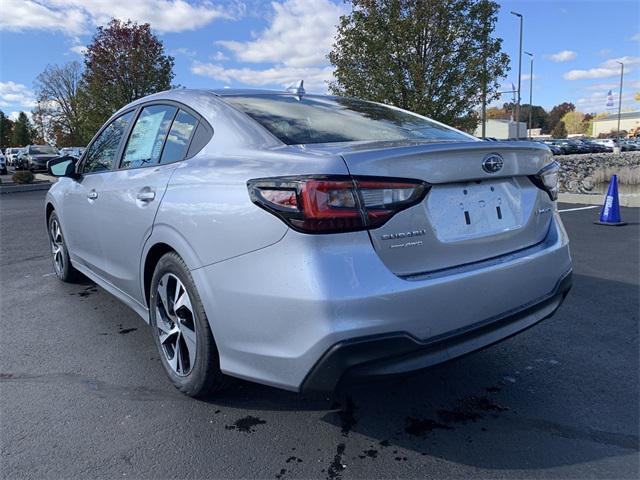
<point>207,207</point>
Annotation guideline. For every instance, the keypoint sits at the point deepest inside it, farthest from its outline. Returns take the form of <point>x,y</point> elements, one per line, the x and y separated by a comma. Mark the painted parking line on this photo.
<point>579,208</point>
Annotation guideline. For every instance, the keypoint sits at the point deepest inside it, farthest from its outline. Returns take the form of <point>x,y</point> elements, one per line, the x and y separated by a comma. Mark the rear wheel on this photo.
<point>181,330</point>
<point>60,255</point>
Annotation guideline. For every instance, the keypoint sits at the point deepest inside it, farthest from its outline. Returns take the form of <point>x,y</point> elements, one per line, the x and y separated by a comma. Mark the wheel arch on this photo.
<point>48,211</point>
<point>154,254</point>
<point>164,239</point>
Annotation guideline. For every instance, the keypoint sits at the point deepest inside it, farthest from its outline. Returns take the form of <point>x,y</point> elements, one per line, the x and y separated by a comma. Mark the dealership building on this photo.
<point>608,124</point>
<point>502,129</point>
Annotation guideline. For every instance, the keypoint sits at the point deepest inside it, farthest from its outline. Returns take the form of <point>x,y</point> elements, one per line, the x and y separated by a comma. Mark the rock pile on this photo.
<point>580,173</point>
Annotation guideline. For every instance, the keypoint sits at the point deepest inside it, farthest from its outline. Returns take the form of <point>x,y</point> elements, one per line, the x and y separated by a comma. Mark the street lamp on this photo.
<point>530,93</point>
<point>519,15</point>
<point>620,98</point>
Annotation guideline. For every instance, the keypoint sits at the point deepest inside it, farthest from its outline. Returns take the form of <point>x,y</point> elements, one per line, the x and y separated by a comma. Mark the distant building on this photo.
<point>608,124</point>
<point>502,129</point>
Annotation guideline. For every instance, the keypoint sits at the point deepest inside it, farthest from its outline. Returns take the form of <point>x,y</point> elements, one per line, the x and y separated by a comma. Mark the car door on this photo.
<point>158,139</point>
<point>82,217</point>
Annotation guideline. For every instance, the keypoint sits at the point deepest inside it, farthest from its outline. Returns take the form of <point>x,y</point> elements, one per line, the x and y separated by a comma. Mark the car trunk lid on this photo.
<point>469,214</point>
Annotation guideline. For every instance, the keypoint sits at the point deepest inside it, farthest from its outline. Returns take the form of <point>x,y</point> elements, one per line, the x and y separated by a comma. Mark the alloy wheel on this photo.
<point>57,246</point>
<point>175,324</point>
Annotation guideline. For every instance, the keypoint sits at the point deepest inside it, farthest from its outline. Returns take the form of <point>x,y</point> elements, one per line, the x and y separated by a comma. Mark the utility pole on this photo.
<point>620,99</point>
<point>519,15</point>
<point>530,93</point>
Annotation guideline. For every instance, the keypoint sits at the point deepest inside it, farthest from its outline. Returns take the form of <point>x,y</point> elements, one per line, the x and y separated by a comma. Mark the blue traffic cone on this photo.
<point>610,213</point>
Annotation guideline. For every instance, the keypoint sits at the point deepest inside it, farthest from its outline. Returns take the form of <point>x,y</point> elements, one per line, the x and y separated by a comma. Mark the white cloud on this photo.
<point>16,95</point>
<point>636,37</point>
<point>315,78</point>
<point>527,76</point>
<point>295,43</point>
<point>19,15</point>
<point>79,49</point>
<point>218,56</point>
<point>610,68</point>
<point>300,35</point>
<point>563,56</point>
<point>74,17</point>
<point>597,102</point>
<point>183,51</point>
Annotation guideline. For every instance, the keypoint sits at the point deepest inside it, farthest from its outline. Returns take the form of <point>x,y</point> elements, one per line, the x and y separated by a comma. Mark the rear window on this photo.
<point>325,119</point>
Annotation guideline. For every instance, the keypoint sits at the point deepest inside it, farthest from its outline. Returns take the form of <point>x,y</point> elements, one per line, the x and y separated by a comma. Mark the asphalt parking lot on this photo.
<point>83,394</point>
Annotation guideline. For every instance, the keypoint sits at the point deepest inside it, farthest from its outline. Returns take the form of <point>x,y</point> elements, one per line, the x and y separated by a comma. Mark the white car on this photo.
<point>11,155</point>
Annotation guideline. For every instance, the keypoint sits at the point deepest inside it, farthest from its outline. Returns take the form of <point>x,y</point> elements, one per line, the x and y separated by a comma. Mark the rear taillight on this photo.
<point>547,179</point>
<point>330,204</point>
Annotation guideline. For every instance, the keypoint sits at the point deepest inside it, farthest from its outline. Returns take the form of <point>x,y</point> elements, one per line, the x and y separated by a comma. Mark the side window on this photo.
<point>179,136</point>
<point>147,136</point>
<point>102,152</point>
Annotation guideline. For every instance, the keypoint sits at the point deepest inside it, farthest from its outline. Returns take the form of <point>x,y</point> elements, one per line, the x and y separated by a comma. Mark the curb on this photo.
<point>27,187</point>
<point>626,200</point>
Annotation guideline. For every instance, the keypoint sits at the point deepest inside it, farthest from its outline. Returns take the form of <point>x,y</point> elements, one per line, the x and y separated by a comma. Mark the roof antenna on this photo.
<point>297,89</point>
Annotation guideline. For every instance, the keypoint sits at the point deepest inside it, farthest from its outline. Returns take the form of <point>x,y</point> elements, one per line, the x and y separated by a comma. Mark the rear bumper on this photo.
<point>277,312</point>
<point>397,353</point>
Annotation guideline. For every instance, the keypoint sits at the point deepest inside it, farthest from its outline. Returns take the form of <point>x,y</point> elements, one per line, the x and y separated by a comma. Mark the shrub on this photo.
<point>22,176</point>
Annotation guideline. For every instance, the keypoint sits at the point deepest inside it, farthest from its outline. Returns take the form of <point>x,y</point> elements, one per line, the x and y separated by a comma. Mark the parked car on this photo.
<point>628,146</point>
<point>553,147</point>
<point>71,151</point>
<point>596,147</point>
<point>297,240</point>
<point>11,154</point>
<point>3,164</point>
<point>565,148</point>
<point>35,157</point>
<point>608,143</point>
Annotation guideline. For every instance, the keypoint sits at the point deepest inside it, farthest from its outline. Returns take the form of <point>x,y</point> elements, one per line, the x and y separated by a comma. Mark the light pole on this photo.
<point>620,99</point>
<point>519,15</point>
<point>530,93</point>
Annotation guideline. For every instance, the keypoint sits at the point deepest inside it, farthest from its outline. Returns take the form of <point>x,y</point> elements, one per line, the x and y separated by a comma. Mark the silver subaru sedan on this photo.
<point>302,241</point>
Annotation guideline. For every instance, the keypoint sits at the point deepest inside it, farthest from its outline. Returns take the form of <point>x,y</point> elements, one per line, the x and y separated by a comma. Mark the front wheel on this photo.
<point>61,263</point>
<point>181,330</point>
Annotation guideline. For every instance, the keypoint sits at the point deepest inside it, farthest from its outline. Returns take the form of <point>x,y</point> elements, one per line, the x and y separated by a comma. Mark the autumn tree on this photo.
<point>60,113</point>
<point>124,62</point>
<point>22,131</point>
<point>556,114</point>
<point>573,122</point>
<point>432,57</point>
<point>6,130</point>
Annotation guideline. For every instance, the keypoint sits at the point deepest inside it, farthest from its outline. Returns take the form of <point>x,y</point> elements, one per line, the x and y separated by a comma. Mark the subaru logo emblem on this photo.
<point>492,163</point>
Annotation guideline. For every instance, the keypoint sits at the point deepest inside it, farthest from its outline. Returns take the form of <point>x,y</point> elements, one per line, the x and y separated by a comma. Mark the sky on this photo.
<point>270,44</point>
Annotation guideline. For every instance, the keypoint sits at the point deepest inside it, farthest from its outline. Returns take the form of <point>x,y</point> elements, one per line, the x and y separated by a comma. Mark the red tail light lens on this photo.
<point>330,204</point>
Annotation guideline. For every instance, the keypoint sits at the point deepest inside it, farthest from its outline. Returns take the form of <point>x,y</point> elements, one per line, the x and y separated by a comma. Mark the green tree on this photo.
<point>6,129</point>
<point>573,122</point>
<point>559,131</point>
<point>22,131</point>
<point>124,62</point>
<point>428,56</point>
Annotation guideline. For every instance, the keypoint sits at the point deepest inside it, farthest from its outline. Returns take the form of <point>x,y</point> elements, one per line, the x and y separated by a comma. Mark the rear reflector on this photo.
<point>331,204</point>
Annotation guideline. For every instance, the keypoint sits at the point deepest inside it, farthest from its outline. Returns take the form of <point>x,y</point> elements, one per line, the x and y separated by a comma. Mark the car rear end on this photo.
<point>421,251</point>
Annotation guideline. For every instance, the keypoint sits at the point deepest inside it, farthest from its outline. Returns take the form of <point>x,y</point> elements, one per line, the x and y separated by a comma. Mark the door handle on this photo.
<point>92,195</point>
<point>146,195</point>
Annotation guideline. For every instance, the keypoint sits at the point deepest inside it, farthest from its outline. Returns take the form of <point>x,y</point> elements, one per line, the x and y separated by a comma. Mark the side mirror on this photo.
<point>63,167</point>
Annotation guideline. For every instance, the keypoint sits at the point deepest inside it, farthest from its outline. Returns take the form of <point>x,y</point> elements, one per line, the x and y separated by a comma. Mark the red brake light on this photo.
<point>326,204</point>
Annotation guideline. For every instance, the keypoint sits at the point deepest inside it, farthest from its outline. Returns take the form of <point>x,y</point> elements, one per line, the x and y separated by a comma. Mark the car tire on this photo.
<point>182,335</point>
<point>60,255</point>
